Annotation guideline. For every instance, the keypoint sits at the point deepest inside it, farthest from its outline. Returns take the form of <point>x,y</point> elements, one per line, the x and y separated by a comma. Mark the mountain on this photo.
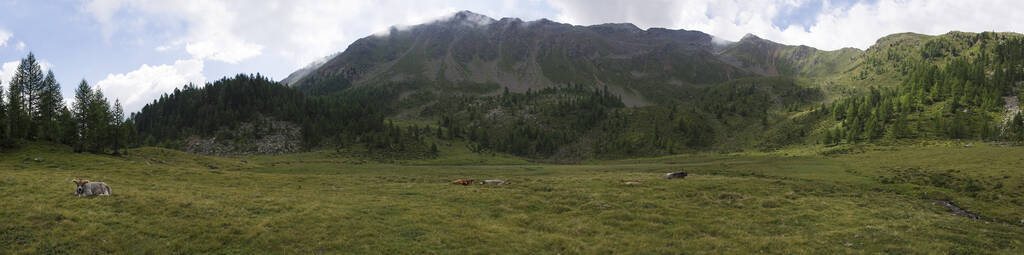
<point>767,58</point>
<point>472,52</point>
<point>559,92</point>
<point>302,72</point>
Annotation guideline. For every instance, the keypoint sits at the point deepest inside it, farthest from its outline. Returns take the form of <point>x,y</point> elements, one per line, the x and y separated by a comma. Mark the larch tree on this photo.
<point>50,104</point>
<point>24,97</point>
<point>4,135</point>
<point>80,111</point>
<point>98,122</point>
<point>115,132</point>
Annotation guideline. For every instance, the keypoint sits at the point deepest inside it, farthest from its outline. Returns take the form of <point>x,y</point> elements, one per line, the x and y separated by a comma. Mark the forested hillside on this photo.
<point>950,93</point>
<point>552,91</point>
<point>218,110</point>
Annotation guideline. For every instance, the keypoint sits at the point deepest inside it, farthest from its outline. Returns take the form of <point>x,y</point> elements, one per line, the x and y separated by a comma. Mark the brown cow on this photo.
<point>463,181</point>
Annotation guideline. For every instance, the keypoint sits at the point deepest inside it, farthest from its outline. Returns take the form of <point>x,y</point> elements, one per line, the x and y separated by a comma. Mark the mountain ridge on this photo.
<point>527,55</point>
<point>565,93</point>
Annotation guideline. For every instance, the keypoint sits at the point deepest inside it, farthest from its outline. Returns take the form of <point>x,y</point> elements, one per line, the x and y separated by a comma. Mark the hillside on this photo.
<point>563,93</point>
<point>473,53</point>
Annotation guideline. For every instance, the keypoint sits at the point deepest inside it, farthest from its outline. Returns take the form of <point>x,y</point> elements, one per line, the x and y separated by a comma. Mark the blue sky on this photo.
<point>135,50</point>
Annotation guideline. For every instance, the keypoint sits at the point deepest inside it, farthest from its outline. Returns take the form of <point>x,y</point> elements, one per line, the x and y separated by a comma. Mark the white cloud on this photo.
<point>4,35</point>
<point>20,46</point>
<point>229,51</point>
<point>8,69</point>
<point>103,11</point>
<point>139,87</point>
<point>296,31</point>
<point>210,25</point>
<point>289,34</point>
<point>858,25</point>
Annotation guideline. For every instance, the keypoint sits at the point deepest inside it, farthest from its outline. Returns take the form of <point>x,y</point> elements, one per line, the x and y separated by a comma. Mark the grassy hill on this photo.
<point>858,199</point>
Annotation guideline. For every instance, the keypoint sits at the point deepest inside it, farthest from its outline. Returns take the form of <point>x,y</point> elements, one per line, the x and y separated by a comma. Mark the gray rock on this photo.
<point>631,183</point>
<point>676,175</point>
<point>212,166</point>
<point>493,182</point>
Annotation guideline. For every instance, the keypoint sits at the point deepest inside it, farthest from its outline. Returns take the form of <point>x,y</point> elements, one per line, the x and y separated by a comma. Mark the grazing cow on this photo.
<point>676,175</point>
<point>463,181</point>
<point>88,189</point>
<point>493,182</point>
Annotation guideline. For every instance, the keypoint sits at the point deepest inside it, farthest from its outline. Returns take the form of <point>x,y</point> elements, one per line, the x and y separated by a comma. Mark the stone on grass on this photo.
<point>676,175</point>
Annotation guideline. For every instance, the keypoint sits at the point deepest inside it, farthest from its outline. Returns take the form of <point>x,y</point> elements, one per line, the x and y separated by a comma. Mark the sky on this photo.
<point>136,50</point>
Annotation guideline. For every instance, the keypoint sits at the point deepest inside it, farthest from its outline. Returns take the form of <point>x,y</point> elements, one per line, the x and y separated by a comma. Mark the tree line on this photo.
<point>33,109</point>
<point>354,119</point>
<point>956,101</point>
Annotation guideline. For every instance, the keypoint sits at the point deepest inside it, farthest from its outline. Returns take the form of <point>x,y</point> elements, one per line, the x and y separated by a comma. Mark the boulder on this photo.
<point>676,175</point>
<point>493,182</point>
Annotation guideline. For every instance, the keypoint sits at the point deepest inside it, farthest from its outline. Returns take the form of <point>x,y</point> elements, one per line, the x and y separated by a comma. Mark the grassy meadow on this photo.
<point>864,199</point>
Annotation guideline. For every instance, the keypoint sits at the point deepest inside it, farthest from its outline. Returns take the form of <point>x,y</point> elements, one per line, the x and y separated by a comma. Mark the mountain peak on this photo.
<point>471,18</point>
<point>750,36</point>
<point>628,27</point>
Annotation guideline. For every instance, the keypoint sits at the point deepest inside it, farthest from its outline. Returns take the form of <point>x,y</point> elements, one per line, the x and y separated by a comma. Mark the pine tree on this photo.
<point>116,132</point>
<point>1016,129</point>
<point>827,140</point>
<point>68,127</point>
<point>4,135</point>
<point>99,119</point>
<point>50,104</point>
<point>24,97</point>
<point>129,133</point>
<point>80,110</point>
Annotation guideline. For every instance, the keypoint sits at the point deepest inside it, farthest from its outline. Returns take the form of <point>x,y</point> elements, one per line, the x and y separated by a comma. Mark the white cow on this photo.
<point>88,189</point>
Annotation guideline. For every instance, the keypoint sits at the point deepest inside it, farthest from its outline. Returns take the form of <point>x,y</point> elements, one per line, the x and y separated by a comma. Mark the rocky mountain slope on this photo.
<point>469,52</point>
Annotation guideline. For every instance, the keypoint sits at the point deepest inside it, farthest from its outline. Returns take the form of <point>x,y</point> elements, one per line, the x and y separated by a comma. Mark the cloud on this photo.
<point>834,25</point>
<point>4,35</point>
<point>7,72</point>
<point>218,50</point>
<point>103,11</point>
<point>139,87</point>
<point>295,31</point>
<point>20,46</point>
<point>210,26</point>
<point>7,69</point>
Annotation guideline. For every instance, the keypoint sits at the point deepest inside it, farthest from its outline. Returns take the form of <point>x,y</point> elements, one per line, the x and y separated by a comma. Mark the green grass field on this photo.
<point>868,199</point>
